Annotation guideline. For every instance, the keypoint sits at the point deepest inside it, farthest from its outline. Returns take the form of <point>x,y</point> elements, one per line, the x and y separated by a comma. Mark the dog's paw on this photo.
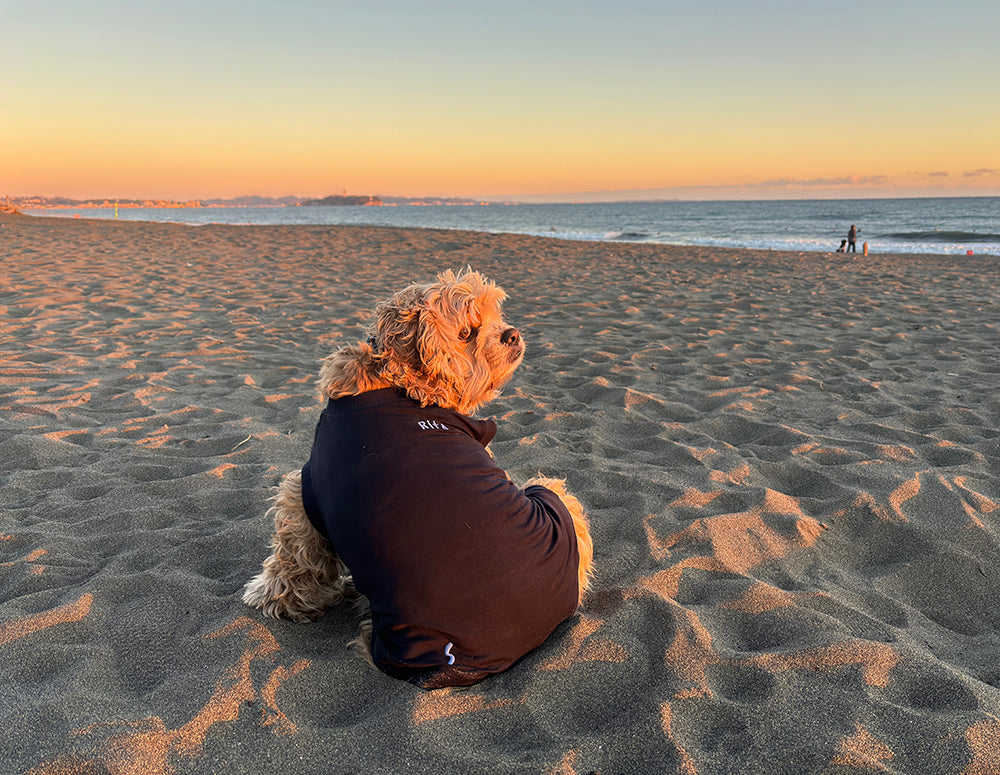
<point>259,593</point>
<point>278,600</point>
<point>255,592</point>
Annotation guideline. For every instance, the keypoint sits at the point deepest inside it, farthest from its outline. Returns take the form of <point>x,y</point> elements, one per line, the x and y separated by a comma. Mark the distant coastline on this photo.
<point>337,200</point>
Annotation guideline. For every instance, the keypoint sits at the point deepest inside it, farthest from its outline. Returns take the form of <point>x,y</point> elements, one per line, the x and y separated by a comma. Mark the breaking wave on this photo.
<point>943,236</point>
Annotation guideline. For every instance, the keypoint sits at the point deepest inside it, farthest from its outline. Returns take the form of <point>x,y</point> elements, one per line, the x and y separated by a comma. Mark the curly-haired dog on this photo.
<point>464,571</point>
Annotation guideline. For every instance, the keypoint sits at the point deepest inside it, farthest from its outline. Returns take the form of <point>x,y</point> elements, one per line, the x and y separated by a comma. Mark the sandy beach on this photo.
<point>791,462</point>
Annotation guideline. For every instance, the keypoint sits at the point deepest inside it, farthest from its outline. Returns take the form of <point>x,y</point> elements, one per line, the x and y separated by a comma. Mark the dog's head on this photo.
<point>444,343</point>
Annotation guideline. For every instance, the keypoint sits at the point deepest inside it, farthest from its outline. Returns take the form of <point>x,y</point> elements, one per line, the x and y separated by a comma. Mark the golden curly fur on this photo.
<point>444,343</point>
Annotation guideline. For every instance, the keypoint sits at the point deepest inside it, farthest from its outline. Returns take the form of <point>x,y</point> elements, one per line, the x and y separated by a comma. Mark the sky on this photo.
<point>548,100</point>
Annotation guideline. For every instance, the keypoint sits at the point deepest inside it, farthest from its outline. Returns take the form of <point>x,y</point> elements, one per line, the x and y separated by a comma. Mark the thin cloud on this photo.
<point>850,180</point>
<point>980,171</point>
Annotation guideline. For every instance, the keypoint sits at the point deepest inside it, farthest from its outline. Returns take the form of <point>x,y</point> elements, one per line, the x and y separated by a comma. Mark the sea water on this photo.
<point>952,226</point>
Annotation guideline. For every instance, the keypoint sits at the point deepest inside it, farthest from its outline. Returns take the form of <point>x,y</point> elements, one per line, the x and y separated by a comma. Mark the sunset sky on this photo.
<point>522,100</point>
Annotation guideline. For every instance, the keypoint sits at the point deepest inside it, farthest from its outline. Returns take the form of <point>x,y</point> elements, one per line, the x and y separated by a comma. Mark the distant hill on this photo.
<point>342,201</point>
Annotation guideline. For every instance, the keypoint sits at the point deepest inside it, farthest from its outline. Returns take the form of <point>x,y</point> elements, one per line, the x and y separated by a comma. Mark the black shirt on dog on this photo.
<point>465,572</point>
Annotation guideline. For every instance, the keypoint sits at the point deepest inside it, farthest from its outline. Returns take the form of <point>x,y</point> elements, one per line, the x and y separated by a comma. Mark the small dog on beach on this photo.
<point>462,571</point>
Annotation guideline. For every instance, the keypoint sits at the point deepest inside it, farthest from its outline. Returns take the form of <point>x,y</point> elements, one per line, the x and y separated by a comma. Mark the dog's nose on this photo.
<point>510,337</point>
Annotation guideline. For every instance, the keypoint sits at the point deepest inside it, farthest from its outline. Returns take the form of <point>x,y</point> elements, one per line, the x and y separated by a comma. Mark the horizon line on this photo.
<point>574,198</point>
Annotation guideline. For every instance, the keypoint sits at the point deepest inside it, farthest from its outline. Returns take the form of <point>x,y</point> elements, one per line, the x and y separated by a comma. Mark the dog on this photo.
<point>843,247</point>
<point>458,571</point>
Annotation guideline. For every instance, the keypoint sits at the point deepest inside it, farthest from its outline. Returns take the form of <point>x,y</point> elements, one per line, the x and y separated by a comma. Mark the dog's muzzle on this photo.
<point>513,344</point>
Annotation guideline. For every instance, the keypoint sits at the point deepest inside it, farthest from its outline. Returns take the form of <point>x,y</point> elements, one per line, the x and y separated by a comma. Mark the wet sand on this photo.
<point>791,462</point>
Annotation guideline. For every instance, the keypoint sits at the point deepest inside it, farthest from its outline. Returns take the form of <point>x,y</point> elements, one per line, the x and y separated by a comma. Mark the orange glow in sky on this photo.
<point>636,99</point>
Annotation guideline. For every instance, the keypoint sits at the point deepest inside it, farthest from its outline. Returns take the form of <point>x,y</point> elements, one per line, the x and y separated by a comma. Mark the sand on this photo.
<point>791,461</point>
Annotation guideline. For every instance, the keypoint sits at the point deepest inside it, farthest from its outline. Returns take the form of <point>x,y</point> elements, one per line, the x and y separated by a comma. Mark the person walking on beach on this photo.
<point>852,238</point>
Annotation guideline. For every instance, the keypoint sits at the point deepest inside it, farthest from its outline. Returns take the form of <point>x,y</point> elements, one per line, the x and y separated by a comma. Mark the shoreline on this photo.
<point>604,243</point>
<point>791,466</point>
<point>609,229</point>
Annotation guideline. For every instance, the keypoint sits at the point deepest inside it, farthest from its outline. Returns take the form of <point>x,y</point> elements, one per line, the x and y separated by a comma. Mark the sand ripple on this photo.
<point>791,463</point>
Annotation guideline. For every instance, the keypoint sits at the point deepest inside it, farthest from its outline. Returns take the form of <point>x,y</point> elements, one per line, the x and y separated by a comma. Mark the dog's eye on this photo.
<point>467,333</point>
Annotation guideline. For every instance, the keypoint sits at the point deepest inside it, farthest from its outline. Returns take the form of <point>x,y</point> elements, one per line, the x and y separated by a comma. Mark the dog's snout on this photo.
<point>510,337</point>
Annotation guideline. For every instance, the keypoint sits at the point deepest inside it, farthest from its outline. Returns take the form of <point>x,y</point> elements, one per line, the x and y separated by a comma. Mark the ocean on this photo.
<point>953,226</point>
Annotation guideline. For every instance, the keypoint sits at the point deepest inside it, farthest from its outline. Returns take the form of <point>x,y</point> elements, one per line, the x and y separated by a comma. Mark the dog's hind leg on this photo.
<point>581,524</point>
<point>303,576</point>
<point>363,643</point>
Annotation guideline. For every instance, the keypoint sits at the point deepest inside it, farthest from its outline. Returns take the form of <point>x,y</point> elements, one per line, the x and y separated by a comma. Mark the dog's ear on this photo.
<point>447,318</point>
<point>396,325</point>
<point>412,347</point>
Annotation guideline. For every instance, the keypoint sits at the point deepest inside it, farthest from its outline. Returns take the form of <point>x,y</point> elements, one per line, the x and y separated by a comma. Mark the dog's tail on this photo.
<point>350,371</point>
<point>581,524</point>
